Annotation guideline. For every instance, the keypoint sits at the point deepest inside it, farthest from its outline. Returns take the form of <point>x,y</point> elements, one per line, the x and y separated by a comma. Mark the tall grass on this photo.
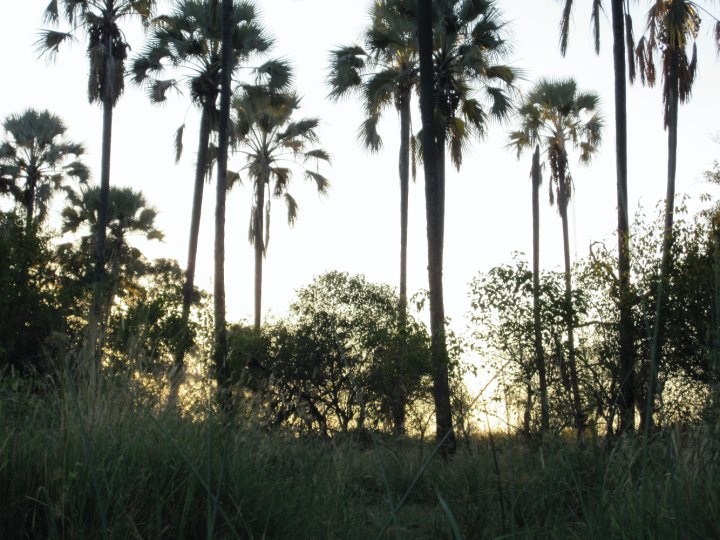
<point>93,461</point>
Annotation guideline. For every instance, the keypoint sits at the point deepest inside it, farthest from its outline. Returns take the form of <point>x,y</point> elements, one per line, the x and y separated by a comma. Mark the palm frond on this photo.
<point>292,209</point>
<point>318,154</point>
<point>630,46</point>
<point>49,41</point>
<point>565,26</point>
<point>321,182</point>
<point>346,65</point>
<point>368,134</point>
<point>178,142</point>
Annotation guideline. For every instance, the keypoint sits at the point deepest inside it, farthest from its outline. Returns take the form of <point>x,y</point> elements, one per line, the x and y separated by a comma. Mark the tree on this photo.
<point>330,366</point>
<point>222,371</point>
<point>553,114</point>
<point>383,74</point>
<point>36,160</point>
<point>187,44</point>
<point>271,140</point>
<point>622,38</point>
<point>459,45</point>
<point>536,176</point>
<point>672,25</point>
<point>30,308</point>
<point>128,215</point>
<point>107,52</point>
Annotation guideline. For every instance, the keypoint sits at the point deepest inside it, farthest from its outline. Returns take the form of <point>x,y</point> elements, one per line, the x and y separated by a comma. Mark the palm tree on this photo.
<point>36,160</point>
<point>465,43</point>
<point>672,26</point>
<point>622,44</point>
<point>107,52</point>
<point>187,43</point>
<point>521,143</point>
<point>220,348</point>
<point>384,74</point>
<point>128,215</point>
<point>271,139</point>
<point>553,114</point>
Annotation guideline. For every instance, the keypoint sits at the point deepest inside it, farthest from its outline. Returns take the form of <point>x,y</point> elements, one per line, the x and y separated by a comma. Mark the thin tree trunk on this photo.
<point>577,404</point>
<point>626,345</point>
<point>433,147</point>
<point>539,353</point>
<point>667,241</point>
<point>222,371</point>
<point>99,289</point>
<point>259,248</point>
<point>189,285</point>
<point>404,172</point>
<point>30,201</point>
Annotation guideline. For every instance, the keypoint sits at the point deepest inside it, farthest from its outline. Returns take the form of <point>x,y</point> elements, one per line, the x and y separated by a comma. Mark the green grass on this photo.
<point>95,463</point>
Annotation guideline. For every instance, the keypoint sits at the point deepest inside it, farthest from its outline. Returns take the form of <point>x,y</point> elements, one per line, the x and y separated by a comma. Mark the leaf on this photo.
<point>457,535</point>
<point>179,142</point>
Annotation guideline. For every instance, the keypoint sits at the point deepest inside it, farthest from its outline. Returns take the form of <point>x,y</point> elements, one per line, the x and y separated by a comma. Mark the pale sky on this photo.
<point>356,227</point>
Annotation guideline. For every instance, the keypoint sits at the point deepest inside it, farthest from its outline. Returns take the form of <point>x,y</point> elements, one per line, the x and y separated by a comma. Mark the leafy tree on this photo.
<point>147,328</point>
<point>36,160</point>
<point>553,115</point>
<point>623,43</point>
<point>384,73</point>
<point>271,140</point>
<point>672,25</point>
<point>186,45</point>
<point>30,309</point>
<point>107,53</point>
<point>503,312</point>
<point>331,366</point>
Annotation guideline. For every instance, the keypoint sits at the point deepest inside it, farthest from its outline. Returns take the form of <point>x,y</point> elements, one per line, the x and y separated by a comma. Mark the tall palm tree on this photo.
<point>520,142</point>
<point>107,52</point>
<point>272,140</point>
<point>465,44</point>
<point>36,160</point>
<point>187,44</point>
<point>622,44</point>
<point>383,74</point>
<point>672,25</point>
<point>554,115</point>
<point>220,346</point>
<point>128,215</point>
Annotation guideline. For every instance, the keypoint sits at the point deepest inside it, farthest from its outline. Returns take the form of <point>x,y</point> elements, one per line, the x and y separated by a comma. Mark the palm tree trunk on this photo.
<point>259,248</point>
<point>189,285</point>
<point>626,339</point>
<point>577,405</point>
<point>30,201</point>
<point>222,371</point>
<point>433,147</point>
<point>99,288</point>
<point>666,260</point>
<point>539,353</point>
<point>404,171</point>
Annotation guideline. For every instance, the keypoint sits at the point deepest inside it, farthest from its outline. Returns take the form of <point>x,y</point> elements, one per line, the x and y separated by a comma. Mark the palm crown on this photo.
<point>556,115</point>
<point>36,159</point>
<point>190,37</point>
<point>107,48</point>
<point>272,141</point>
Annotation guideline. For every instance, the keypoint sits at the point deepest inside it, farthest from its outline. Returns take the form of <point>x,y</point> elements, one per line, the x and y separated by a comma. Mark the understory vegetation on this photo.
<point>98,462</point>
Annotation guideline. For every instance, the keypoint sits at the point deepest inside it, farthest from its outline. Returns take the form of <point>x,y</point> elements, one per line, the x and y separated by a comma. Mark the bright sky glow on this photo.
<point>356,228</point>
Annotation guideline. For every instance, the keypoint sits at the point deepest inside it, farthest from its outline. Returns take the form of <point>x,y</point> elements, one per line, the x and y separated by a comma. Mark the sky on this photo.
<point>355,228</point>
